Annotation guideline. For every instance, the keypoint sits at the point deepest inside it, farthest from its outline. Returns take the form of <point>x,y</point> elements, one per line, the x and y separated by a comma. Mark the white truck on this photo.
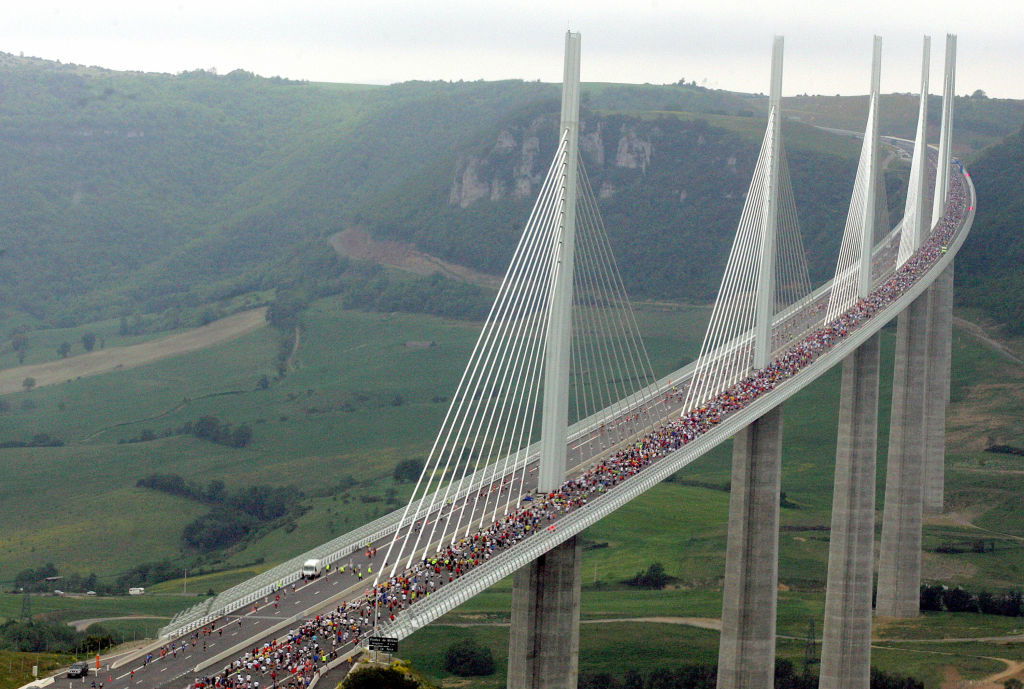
<point>311,569</point>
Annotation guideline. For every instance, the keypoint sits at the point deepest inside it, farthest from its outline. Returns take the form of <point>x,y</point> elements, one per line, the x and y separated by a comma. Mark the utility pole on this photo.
<point>26,606</point>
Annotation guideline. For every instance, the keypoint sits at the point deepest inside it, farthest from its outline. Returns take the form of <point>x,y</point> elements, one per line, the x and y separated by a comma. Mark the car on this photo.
<point>78,670</point>
<point>90,593</point>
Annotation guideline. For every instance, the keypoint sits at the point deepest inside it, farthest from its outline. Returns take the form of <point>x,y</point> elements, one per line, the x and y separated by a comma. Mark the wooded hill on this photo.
<point>129,193</point>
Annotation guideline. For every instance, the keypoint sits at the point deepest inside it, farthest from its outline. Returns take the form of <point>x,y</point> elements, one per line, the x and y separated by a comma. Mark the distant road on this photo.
<point>82,625</point>
<point>117,358</point>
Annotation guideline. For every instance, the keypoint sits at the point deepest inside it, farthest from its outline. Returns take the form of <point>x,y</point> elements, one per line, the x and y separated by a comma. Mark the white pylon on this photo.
<point>853,268</point>
<point>868,215</point>
<point>765,309</point>
<point>915,223</point>
<point>555,415</point>
<point>946,135</point>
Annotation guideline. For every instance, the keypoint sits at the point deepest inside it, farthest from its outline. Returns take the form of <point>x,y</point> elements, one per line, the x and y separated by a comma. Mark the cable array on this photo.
<point>610,366</point>
<point>492,413</point>
<point>494,416</point>
<point>846,285</point>
<point>911,211</point>
<point>726,354</point>
<point>792,279</point>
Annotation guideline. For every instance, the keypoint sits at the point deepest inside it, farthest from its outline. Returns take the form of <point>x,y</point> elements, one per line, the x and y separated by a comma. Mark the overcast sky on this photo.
<point>721,43</point>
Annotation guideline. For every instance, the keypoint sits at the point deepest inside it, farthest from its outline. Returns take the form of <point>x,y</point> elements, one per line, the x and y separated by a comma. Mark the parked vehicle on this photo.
<point>78,670</point>
<point>136,591</point>
<point>311,569</point>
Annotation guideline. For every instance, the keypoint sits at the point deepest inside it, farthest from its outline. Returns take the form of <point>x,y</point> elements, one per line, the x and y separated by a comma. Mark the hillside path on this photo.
<point>117,358</point>
<point>979,332</point>
<point>82,625</point>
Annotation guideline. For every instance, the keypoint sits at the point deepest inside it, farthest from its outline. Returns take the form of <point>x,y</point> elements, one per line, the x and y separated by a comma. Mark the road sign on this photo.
<point>388,644</point>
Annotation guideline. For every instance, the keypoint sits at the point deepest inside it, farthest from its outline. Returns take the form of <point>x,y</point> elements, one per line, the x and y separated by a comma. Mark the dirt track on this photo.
<point>356,243</point>
<point>116,358</point>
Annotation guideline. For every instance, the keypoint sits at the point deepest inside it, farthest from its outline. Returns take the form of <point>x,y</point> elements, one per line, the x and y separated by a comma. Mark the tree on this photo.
<point>958,600</point>
<point>467,658</point>
<point>379,678</point>
<point>654,578</point>
<point>89,341</point>
<point>19,343</point>
<point>979,94</point>
<point>64,349</point>
<point>28,383</point>
<point>408,470</point>
<point>931,598</point>
<point>241,436</point>
<point>215,491</point>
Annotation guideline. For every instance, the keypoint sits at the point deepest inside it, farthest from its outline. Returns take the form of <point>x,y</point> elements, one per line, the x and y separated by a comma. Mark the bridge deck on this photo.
<point>266,620</point>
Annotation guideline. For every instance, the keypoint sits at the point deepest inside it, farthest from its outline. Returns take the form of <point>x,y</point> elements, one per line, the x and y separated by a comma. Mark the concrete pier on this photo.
<point>899,561</point>
<point>940,344</point>
<point>544,639</point>
<point>846,642</point>
<point>746,654</point>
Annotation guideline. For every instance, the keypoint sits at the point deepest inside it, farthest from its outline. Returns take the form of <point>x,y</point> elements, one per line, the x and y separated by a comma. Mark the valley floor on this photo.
<point>359,400</point>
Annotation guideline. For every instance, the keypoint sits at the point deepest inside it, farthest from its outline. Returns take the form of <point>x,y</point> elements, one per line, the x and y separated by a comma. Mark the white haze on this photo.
<point>724,44</point>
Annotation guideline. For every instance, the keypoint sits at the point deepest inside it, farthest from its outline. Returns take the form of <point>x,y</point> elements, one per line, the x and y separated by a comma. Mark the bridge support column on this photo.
<point>746,654</point>
<point>899,561</point>
<point>846,643</point>
<point>940,344</point>
<point>544,639</point>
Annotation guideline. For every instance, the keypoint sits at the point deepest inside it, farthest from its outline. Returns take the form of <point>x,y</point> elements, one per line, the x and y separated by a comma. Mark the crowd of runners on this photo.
<point>295,659</point>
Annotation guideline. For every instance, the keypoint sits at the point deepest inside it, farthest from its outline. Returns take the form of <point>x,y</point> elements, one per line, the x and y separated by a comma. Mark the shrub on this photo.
<point>379,678</point>
<point>408,470</point>
<point>467,658</point>
<point>654,578</point>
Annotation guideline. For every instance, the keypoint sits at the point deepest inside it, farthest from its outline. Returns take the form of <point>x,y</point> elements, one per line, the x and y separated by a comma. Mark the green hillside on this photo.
<point>979,121</point>
<point>990,269</point>
<point>168,195</point>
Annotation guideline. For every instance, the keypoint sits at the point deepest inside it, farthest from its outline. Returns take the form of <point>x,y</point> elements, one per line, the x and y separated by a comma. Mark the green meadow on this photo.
<point>360,400</point>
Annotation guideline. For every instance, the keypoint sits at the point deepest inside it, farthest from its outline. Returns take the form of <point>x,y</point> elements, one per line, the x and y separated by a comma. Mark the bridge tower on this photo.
<point>544,634</point>
<point>846,642</point>
<point>940,304</point>
<point>899,562</point>
<point>746,655</point>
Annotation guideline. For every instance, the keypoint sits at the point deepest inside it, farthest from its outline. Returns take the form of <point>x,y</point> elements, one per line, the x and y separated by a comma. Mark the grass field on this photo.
<point>354,358</point>
<point>615,648</point>
<point>16,668</point>
<point>78,506</point>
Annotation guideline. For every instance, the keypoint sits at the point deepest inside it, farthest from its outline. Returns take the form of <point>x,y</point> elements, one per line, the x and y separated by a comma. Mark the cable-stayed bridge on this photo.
<point>559,421</point>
